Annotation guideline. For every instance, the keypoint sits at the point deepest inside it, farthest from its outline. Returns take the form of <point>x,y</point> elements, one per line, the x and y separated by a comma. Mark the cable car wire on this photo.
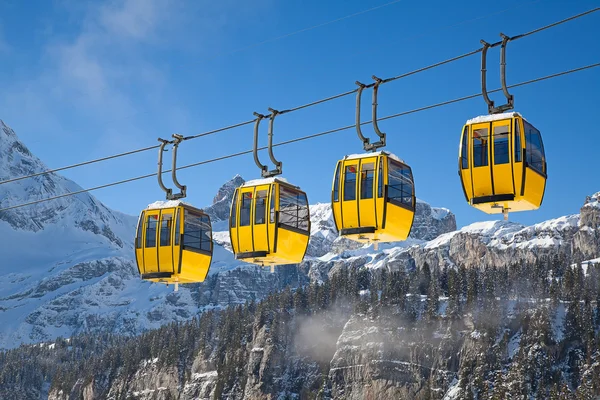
<point>436,105</point>
<point>304,105</point>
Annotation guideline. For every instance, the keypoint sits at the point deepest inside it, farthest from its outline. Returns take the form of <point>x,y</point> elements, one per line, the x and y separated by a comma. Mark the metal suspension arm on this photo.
<point>487,99</point>
<point>509,97</point>
<point>160,153</point>
<point>278,164</point>
<point>366,141</point>
<point>381,135</point>
<point>177,139</point>
<point>263,168</point>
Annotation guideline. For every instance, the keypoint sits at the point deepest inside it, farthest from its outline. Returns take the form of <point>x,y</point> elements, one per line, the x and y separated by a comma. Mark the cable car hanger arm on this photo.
<point>367,145</point>
<point>169,192</point>
<point>509,97</point>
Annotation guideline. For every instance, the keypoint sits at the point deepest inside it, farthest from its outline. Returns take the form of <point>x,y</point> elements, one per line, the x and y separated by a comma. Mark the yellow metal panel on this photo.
<point>259,218</point>
<point>465,170</point>
<point>366,193</point>
<point>349,194</point>
<point>194,267</point>
<point>535,185</point>
<point>291,247</point>
<point>480,162</point>
<point>165,235</point>
<point>244,222</point>
<point>380,183</point>
<point>150,242</point>
<point>233,218</point>
<point>336,193</point>
<point>399,221</point>
<point>272,210</point>
<point>177,233</point>
<point>139,243</point>
<point>501,157</point>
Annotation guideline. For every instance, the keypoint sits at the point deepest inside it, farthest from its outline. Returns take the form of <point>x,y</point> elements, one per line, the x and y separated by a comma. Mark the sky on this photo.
<point>86,79</point>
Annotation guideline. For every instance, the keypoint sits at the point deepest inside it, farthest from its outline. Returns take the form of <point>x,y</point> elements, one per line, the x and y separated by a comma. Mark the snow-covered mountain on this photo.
<point>68,264</point>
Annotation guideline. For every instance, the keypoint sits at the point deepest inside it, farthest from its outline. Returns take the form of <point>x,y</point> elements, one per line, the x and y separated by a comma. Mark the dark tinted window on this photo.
<point>336,183</point>
<point>197,232</point>
<point>261,207</point>
<point>138,237</point>
<point>464,155</point>
<point>177,227</point>
<point>293,208</point>
<point>517,142</point>
<point>151,223</point>
<point>350,183</point>
<point>272,206</point>
<point>400,184</point>
<point>534,148</point>
<point>245,209</point>
<point>234,207</point>
<point>480,143</point>
<point>380,179</point>
<point>367,180</point>
<point>501,134</point>
<point>165,229</point>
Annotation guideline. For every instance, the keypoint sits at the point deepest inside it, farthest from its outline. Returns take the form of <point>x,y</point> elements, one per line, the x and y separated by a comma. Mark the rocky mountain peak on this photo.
<point>219,210</point>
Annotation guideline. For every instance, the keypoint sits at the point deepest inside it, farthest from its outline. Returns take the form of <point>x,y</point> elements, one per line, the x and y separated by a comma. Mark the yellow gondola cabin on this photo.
<point>269,222</point>
<point>173,243</point>
<point>502,164</point>
<point>373,198</point>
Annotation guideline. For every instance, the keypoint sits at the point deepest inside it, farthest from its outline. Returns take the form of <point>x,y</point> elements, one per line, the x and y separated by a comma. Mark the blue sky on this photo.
<point>85,79</point>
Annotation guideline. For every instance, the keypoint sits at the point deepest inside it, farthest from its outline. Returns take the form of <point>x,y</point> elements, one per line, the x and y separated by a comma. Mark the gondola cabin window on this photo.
<point>197,235</point>
<point>336,183</point>
<point>293,209</point>
<point>480,141</point>
<point>138,241</point>
<point>350,183</point>
<point>234,209</point>
<point>464,149</point>
<point>517,141</point>
<point>151,230</point>
<point>245,209</point>
<point>272,206</point>
<point>501,154</point>
<point>380,179</point>
<point>165,230</point>
<point>261,207</point>
<point>177,227</point>
<point>400,184</point>
<point>534,148</point>
<point>367,179</point>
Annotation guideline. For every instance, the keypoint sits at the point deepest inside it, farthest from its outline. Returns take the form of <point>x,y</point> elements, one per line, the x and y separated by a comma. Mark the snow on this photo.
<point>454,392</point>
<point>264,181</point>
<point>167,204</point>
<point>373,154</point>
<point>439,213</point>
<point>493,117</point>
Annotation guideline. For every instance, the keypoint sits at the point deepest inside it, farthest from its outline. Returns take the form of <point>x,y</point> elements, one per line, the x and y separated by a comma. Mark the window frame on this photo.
<point>528,153</point>
<point>365,179</point>
<point>204,221</point>
<point>168,229</point>
<point>251,205</point>
<point>508,142</point>
<point>139,239</point>
<point>298,194</point>
<point>393,200</point>
<point>336,182</point>
<point>147,228</point>
<point>518,145</point>
<point>346,169</point>
<point>265,208</point>
<point>233,210</point>
<point>464,149</point>
<point>486,147</point>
